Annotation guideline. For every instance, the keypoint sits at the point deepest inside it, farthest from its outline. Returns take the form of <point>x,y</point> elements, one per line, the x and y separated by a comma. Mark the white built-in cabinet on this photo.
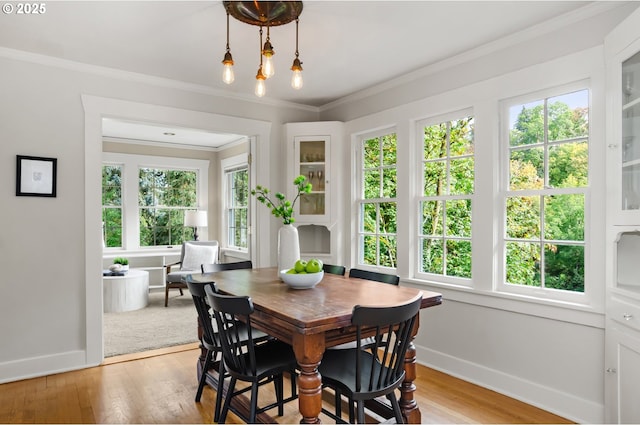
<point>622,327</point>
<point>314,151</point>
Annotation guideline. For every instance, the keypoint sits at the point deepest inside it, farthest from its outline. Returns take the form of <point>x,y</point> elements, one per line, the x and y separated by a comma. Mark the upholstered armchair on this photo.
<point>193,255</point>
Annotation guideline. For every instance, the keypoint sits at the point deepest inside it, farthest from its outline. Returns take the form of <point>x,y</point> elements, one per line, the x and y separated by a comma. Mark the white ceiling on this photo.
<point>345,46</point>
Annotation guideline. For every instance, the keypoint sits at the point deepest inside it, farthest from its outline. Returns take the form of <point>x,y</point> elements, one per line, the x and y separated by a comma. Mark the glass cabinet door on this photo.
<point>311,158</point>
<point>631,133</point>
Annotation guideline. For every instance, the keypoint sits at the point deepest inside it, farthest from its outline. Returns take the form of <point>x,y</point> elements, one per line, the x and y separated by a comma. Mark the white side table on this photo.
<point>126,293</point>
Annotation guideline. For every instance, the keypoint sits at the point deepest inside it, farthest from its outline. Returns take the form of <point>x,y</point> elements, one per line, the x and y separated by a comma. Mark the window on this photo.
<point>112,205</point>
<point>546,194</point>
<point>144,199</point>
<point>163,197</point>
<point>377,232</point>
<point>237,202</point>
<point>447,181</point>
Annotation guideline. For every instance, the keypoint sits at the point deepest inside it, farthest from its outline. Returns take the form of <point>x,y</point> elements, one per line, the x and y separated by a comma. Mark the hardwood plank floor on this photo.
<point>159,387</point>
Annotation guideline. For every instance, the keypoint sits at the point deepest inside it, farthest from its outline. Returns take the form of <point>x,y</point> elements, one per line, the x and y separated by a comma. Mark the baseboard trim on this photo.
<point>560,403</point>
<point>35,367</point>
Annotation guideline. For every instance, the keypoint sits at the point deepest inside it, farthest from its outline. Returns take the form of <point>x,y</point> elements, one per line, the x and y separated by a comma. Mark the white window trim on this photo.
<point>130,179</point>
<point>418,195</point>
<point>581,298</point>
<point>225,165</point>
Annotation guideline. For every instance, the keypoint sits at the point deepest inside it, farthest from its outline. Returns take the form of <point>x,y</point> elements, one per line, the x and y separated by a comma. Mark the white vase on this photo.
<point>288,246</point>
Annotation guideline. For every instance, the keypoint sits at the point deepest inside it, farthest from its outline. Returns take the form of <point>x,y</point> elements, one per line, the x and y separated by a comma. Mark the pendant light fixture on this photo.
<point>227,62</point>
<point>261,89</point>
<point>296,77</point>
<point>264,14</point>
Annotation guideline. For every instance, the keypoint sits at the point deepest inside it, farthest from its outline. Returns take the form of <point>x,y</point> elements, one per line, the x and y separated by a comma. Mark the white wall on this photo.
<point>43,309</point>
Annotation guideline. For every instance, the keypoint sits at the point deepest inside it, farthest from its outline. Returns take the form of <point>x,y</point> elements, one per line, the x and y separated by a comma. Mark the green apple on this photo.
<point>314,266</point>
<point>302,272</point>
<point>292,271</point>
<point>300,266</point>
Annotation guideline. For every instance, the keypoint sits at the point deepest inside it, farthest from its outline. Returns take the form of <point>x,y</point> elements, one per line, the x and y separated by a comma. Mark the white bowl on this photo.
<point>301,281</point>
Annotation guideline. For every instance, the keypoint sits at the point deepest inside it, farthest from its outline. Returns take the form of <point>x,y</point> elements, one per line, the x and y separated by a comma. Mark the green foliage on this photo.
<point>534,250</point>
<point>121,260</point>
<point>448,170</point>
<point>282,207</point>
<point>379,216</point>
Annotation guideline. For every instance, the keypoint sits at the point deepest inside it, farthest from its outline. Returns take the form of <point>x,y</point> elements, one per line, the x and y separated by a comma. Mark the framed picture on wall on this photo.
<point>36,176</point>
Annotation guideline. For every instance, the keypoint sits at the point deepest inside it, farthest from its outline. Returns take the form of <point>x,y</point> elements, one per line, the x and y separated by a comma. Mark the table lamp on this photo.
<point>195,219</point>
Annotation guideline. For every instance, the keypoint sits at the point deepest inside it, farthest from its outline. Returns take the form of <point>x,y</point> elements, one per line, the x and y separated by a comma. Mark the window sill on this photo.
<point>581,314</point>
<point>152,252</point>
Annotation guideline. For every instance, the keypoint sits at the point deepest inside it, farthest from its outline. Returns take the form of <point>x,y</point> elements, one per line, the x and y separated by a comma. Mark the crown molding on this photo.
<point>140,78</point>
<point>553,24</point>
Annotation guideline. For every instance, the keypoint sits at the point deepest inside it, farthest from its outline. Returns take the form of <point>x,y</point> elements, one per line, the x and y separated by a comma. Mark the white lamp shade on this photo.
<point>195,218</point>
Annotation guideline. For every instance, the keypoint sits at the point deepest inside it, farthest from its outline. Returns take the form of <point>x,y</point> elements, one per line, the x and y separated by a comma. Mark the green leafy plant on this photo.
<point>282,207</point>
<point>121,260</point>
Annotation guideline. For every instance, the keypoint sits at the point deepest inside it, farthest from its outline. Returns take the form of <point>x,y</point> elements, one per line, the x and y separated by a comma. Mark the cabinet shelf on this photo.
<point>634,106</point>
<point>632,163</point>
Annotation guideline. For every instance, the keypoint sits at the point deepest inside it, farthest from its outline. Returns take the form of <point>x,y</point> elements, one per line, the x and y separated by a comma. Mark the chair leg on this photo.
<point>227,400</point>
<point>181,293</point>
<point>278,384</point>
<point>294,378</point>
<point>396,407</point>
<point>166,294</point>
<point>254,403</point>
<point>218,406</point>
<point>360,406</point>
<point>352,411</point>
<point>338,402</point>
<point>203,375</point>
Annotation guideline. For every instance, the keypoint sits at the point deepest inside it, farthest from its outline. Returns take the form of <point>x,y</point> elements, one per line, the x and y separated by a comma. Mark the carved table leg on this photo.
<point>309,350</point>
<point>408,404</point>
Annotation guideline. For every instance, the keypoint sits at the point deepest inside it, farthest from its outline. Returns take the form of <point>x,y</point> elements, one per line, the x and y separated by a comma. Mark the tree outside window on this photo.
<point>163,197</point>
<point>547,187</point>
<point>112,205</point>
<point>445,204</point>
<point>378,205</point>
<point>237,207</point>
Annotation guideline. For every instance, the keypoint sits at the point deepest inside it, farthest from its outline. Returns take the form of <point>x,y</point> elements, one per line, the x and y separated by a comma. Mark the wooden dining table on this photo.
<point>312,320</point>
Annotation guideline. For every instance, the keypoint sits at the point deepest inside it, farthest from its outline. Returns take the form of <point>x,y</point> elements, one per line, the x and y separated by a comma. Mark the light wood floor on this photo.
<point>159,387</point>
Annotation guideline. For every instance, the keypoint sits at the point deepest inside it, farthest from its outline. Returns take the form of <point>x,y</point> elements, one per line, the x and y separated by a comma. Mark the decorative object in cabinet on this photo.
<point>312,162</point>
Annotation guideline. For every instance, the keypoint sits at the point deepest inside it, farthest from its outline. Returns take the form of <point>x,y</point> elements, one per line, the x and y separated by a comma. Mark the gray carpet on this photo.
<point>152,327</point>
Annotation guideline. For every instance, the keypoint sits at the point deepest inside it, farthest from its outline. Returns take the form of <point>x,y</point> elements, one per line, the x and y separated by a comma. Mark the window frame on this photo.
<point>419,198</point>
<point>504,193</point>
<point>360,200</point>
<point>131,164</point>
<point>227,165</point>
<point>121,207</point>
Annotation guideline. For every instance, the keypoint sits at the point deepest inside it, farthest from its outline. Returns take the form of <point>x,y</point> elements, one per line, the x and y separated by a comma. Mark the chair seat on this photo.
<point>269,358</point>
<point>178,276</point>
<point>338,369</point>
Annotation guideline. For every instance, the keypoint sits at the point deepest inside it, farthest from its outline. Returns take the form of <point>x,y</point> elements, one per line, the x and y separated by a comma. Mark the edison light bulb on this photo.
<point>227,73</point>
<point>296,80</point>
<point>261,88</point>
<point>227,68</point>
<point>267,67</point>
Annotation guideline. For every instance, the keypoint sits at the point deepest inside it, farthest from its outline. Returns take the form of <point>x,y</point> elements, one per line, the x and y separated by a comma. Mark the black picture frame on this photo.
<point>36,176</point>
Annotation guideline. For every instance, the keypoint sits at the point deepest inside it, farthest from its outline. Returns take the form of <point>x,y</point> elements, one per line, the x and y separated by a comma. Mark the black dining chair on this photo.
<point>330,268</point>
<point>365,374</point>
<point>211,340</point>
<point>217,267</point>
<point>378,277</point>
<point>246,361</point>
